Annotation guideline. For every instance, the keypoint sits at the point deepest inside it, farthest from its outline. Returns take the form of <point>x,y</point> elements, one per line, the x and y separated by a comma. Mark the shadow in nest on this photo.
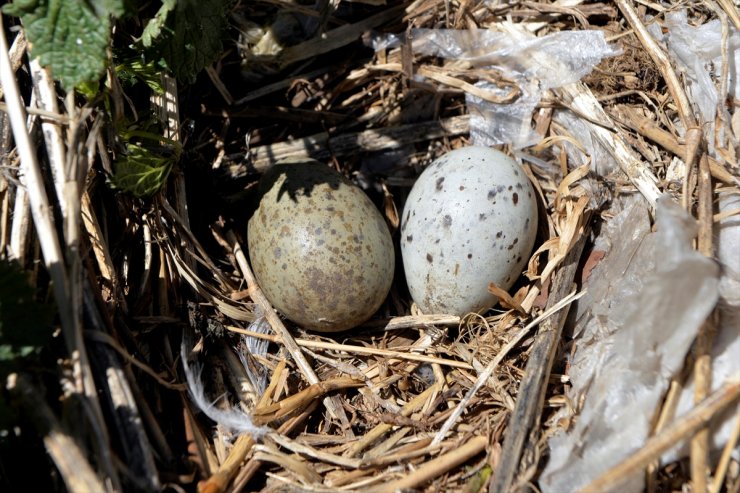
<point>299,178</point>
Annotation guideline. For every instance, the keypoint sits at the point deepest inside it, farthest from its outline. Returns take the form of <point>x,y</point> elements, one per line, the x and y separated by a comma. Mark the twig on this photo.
<point>40,206</point>
<point>414,321</point>
<point>351,349</point>
<point>106,339</point>
<point>323,146</point>
<point>436,467</point>
<point>383,428</point>
<point>68,305</point>
<point>731,10</point>
<point>579,97</point>
<point>336,38</point>
<point>333,406</point>
<point>76,471</point>
<point>724,460</point>
<point>705,338</point>
<point>662,62</point>
<point>486,374</point>
<point>253,464</point>
<point>220,479</point>
<point>532,390</point>
<point>648,129</point>
<point>688,424</point>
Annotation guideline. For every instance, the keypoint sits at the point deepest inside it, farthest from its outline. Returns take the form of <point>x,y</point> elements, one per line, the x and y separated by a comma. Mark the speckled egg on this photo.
<point>319,248</point>
<point>470,219</point>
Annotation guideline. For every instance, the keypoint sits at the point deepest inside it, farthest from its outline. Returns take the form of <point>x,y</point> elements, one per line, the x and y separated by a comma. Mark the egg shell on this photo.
<point>319,248</point>
<point>470,219</point>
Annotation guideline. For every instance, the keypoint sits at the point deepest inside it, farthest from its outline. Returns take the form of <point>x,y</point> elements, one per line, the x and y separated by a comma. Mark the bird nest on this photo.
<point>176,372</point>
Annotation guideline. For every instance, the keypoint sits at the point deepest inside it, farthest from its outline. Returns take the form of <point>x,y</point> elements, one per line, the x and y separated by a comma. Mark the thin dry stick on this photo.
<point>332,405</point>
<point>731,10</point>
<point>415,321</point>
<point>648,129</point>
<point>220,479</point>
<point>383,428</point>
<point>537,373</point>
<point>579,98</point>
<point>41,211</point>
<point>40,206</point>
<point>76,471</point>
<point>253,465</point>
<point>486,374</point>
<point>662,62</point>
<point>323,146</point>
<point>107,339</point>
<point>688,424</point>
<point>703,360</point>
<point>347,348</point>
<point>302,449</point>
<point>724,460</point>
<point>437,467</point>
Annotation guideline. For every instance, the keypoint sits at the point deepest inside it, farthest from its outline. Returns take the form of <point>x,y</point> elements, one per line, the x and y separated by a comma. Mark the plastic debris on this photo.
<point>697,52</point>
<point>634,340</point>
<point>533,64</point>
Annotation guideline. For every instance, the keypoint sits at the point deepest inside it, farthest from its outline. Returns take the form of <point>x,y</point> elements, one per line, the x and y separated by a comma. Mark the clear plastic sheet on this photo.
<point>534,64</point>
<point>633,341</point>
<point>726,348</point>
<point>697,52</point>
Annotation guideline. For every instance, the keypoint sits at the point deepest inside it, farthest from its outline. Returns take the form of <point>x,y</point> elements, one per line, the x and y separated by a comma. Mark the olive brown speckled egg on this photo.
<point>319,248</point>
<point>470,219</point>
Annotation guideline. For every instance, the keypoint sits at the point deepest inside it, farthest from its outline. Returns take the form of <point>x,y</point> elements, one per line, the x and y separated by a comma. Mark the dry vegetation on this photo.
<point>409,401</point>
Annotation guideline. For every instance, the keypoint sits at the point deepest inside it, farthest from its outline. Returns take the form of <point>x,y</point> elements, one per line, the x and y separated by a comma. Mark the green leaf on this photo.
<point>69,36</point>
<point>135,70</point>
<point>142,172</point>
<point>194,33</point>
<point>156,24</point>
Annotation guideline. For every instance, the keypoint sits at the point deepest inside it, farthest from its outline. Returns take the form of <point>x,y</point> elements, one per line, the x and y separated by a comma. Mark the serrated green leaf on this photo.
<point>140,171</point>
<point>134,70</point>
<point>69,36</point>
<point>194,33</point>
<point>157,23</point>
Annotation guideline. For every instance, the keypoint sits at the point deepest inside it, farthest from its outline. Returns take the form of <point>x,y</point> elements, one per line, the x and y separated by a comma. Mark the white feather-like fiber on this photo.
<point>232,419</point>
<point>255,346</point>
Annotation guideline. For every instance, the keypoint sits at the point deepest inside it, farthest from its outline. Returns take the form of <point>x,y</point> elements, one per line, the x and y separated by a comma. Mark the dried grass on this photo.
<point>409,401</point>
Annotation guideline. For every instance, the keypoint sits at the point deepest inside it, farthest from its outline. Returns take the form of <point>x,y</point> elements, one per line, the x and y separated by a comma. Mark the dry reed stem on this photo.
<point>414,322</point>
<point>500,355</point>
<point>685,426</point>
<point>323,146</point>
<point>436,467</point>
<point>378,431</point>
<point>71,461</point>
<point>335,38</point>
<point>730,9</point>
<point>221,478</point>
<point>66,287</point>
<point>301,400</point>
<point>107,339</point>
<point>351,349</point>
<point>661,61</point>
<point>578,97</point>
<point>332,405</point>
<point>648,129</point>
<point>724,461</point>
<point>251,467</point>
<point>703,348</point>
<point>526,415</point>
